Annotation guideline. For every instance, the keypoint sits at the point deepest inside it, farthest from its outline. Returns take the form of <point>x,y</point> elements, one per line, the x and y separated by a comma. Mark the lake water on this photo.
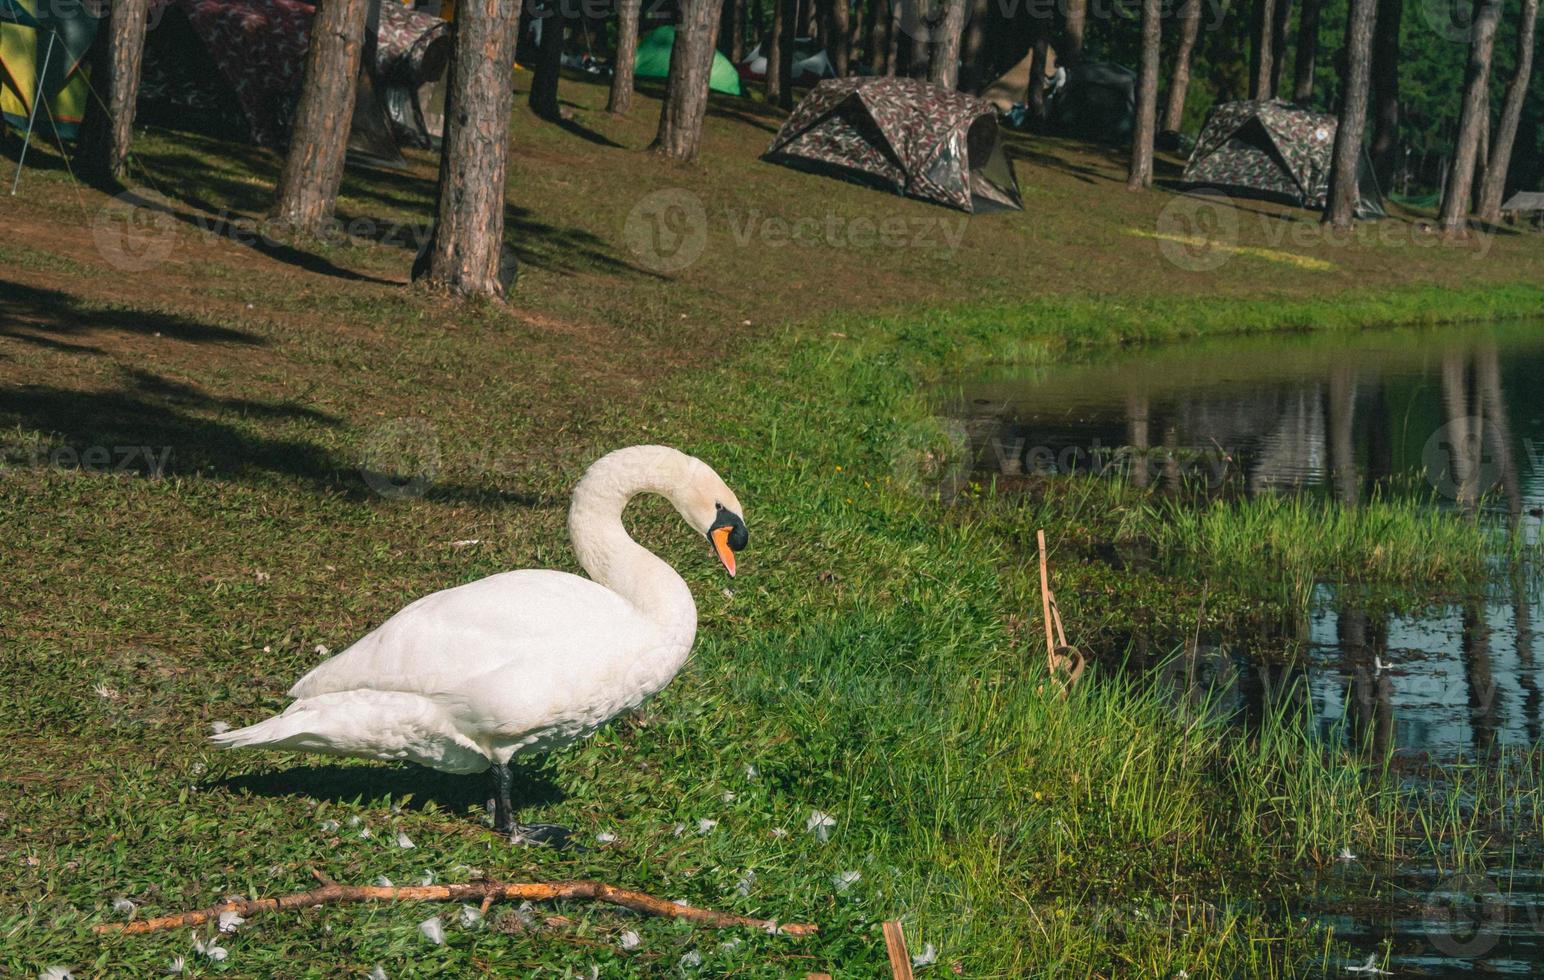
<point>1453,416</point>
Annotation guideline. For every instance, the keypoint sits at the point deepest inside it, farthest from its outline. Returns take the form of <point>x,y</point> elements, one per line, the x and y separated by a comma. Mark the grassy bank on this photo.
<point>875,661</point>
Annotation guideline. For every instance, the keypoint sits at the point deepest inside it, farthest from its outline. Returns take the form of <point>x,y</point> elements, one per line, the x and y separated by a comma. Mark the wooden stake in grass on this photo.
<point>895,945</point>
<point>486,891</point>
<point>1062,659</point>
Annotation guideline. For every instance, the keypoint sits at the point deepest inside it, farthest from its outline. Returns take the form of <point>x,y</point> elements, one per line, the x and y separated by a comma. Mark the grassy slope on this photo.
<point>869,664</point>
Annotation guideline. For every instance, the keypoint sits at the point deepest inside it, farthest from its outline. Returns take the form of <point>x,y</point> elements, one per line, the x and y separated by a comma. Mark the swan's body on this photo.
<point>525,661</point>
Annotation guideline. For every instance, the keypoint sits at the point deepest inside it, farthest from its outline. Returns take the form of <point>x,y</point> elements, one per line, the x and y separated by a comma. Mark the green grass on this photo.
<point>876,660</point>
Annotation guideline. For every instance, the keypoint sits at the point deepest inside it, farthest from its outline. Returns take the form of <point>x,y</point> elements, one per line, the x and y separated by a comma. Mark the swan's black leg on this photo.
<point>549,834</point>
<point>503,809</point>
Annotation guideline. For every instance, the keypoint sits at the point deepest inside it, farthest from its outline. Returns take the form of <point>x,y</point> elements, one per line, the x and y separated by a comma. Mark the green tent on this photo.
<point>654,62</point>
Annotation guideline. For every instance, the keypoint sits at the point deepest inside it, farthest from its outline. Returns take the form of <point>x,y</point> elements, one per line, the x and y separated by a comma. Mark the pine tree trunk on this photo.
<point>621,98</point>
<point>543,97</point>
<point>893,34</point>
<point>879,40</point>
<point>1385,87</point>
<point>945,67</point>
<point>1074,26</point>
<point>463,255</point>
<point>1307,50</point>
<point>773,81</point>
<point>1262,48</point>
<point>686,95</point>
<point>973,51</point>
<point>736,31</point>
<point>836,47</point>
<point>1179,82</point>
<point>1145,130</point>
<point>313,167</point>
<point>918,66</point>
<point>1340,210</point>
<point>1039,54</point>
<point>857,30</point>
<point>1281,25</point>
<point>1493,186</point>
<point>1476,109</point>
<point>109,126</point>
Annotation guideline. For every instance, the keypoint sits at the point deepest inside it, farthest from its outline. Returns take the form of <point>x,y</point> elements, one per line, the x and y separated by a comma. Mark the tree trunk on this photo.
<point>464,252</point>
<point>686,90</point>
<point>918,66</point>
<point>857,30</point>
<point>1074,26</point>
<point>1040,53</point>
<point>893,34</point>
<point>1493,186</point>
<point>1476,108</point>
<point>543,98</point>
<point>313,167</point>
<point>773,83</point>
<point>836,47</point>
<point>1262,48</point>
<point>1340,209</point>
<point>1280,26</point>
<point>1144,131</point>
<point>1307,50</point>
<point>734,25</point>
<point>879,40</point>
<point>974,50</point>
<point>1189,15</point>
<point>1385,87</point>
<point>621,98</point>
<point>945,68</point>
<point>108,131</point>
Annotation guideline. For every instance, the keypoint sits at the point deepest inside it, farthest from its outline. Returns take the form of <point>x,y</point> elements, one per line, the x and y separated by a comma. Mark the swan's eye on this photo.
<point>717,505</point>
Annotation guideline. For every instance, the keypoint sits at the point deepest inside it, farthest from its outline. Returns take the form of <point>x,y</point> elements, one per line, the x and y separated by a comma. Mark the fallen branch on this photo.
<point>484,891</point>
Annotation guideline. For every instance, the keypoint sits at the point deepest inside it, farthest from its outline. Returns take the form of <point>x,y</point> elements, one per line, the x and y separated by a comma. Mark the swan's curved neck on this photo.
<point>609,554</point>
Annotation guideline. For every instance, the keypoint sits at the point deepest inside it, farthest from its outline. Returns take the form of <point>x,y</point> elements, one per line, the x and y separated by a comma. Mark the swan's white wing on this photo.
<point>524,625</point>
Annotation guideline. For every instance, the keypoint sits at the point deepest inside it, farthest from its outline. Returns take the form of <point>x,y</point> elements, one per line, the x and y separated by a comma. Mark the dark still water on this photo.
<point>1455,416</point>
<point>1450,416</point>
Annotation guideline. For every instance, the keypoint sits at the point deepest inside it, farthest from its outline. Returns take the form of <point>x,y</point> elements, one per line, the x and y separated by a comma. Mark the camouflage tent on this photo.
<point>901,135</point>
<point>1276,150</point>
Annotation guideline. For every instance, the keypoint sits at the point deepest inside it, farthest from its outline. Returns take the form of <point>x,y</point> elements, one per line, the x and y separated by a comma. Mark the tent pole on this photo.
<point>32,118</point>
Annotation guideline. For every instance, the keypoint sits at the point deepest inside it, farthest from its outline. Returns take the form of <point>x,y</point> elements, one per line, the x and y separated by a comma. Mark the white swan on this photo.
<point>465,679</point>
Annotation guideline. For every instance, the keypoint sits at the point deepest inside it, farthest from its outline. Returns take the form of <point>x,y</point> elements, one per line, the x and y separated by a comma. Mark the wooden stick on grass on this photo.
<point>895,945</point>
<point>1045,605</point>
<point>592,891</point>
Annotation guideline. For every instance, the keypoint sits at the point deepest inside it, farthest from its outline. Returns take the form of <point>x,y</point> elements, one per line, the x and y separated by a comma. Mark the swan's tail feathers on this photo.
<point>387,725</point>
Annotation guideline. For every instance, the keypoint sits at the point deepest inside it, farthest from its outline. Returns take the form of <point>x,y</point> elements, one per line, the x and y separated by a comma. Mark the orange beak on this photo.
<point>720,539</point>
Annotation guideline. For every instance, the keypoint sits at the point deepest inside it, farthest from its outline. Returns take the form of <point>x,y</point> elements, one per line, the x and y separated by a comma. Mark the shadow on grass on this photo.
<point>43,317</point>
<point>533,786</point>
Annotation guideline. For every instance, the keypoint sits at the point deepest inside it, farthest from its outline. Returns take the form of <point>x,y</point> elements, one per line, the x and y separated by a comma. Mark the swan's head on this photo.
<point>712,509</point>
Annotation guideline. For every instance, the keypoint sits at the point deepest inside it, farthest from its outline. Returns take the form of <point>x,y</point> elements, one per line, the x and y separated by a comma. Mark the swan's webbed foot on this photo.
<point>551,835</point>
<point>546,834</point>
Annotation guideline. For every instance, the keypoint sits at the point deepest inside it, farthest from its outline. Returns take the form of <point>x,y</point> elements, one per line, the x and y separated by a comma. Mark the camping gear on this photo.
<point>234,68</point>
<point>1012,87</point>
<point>810,63</point>
<point>43,66</point>
<point>902,135</point>
<point>1275,150</point>
<point>1525,203</point>
<point>1095,100</point>
<point>653,61</point>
